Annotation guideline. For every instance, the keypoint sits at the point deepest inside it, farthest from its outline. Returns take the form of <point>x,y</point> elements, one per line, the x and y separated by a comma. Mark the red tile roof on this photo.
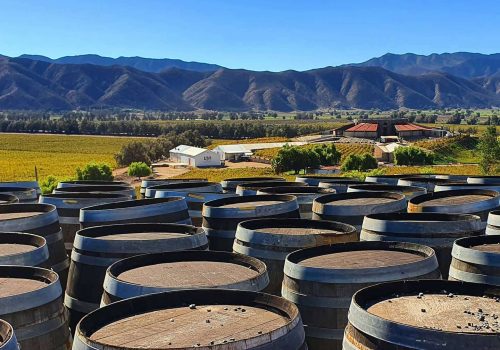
<point>364,127</point>
<point>409,127</point>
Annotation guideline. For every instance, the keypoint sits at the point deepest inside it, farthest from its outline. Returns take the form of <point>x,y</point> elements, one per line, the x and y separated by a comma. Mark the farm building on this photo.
<point>236,151</point>
<point>363,130</point>
<point>194,156</point>
<point>384,152</point>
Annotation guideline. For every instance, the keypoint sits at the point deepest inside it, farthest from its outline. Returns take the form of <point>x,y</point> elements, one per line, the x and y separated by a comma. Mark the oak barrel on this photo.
<point>424,315</point>
<point>24,194</point>
<point>251,188</point>
<point>78,183</point>
<point>453,186</point>
<point>386,179</point>
<point>476,260</point>
<point>8,199</point>
<point>27,184</point>
<point>215,319</point>
<point>195,201</point>
<point>31,301</point>
<point>97,248</point>
<point>42,220</point>
<point>154,273</point>
<point>68,207</point>
<point>340,186</point>
<point>305,196</point>
<point>222,216</point>
<point>477,202</point>
<point>24,249</point>
<point>271,240</point>
<point>425,182</point>
<point>229,185</point>
<point>125,190</point>
<point>8,340</point>
<point>192,187</point>
<point>351,208</point>
<point>493,224</point>
<point>172,210</point>
<point>435,230</point>
<point>156,182</point>
<point>408,191</point>
<point>322,280</point>
<point>314,180</point>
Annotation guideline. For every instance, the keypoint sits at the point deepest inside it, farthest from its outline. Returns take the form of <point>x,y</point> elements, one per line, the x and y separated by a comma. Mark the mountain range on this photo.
<point>387,82</point>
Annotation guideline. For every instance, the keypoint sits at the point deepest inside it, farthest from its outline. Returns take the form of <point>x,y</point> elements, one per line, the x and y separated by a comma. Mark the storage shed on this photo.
<point>194,156</point>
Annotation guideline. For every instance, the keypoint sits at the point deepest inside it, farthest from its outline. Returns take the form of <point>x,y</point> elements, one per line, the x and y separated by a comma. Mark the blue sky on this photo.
<point>261,35</point>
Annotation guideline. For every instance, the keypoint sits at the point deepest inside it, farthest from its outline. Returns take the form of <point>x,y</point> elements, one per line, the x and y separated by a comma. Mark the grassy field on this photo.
<point>216,175</point>
<point>57,155</point>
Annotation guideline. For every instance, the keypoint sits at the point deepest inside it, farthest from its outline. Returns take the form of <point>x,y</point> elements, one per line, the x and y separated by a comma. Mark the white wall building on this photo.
<point>194,156</point>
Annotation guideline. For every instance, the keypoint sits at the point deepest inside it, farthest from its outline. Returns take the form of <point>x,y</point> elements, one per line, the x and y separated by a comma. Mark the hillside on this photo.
<point>145,64</point>
<point>462,64</point>
<point>30,84</point>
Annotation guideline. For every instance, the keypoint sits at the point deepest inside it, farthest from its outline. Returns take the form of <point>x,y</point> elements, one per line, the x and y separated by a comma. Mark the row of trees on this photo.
<point>222,130</point>
<point>413,156</point>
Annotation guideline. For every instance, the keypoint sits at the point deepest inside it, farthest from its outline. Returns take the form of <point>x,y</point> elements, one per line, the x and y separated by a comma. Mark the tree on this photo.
<point>94,171</point>
<point>412,156</point>
<point>327,154</point>
<point>139,169</point>
<point>294,158</point>
<point>133,152</point>
<point>361,162</point>
<point>489,150</point>
<point>49,184</point>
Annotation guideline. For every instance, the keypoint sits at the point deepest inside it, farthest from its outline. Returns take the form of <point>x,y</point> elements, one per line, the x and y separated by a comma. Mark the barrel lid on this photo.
<point>364,202</point>
<point>254,205</point>
<point>7,249</point>
<point>8,199</point>
<point>201,318</point>
<point>133,203</point>
<point>295,190</point>
<point>189,269</point>
<point>443,313</point>
<point>474,200</point>
<point>365,261</point>
<point>376,187</point>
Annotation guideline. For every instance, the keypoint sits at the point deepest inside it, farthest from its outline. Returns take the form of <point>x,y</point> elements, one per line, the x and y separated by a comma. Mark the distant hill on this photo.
<point>463,64</point>
<point>146,64</point>
<point>32,84</point>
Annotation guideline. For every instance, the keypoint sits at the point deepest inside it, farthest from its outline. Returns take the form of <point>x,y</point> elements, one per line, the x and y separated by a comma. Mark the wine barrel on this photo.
<point>30,300</point>
<point>42,220</point>
<point>157,182</point>
<point>195,201</point>
<point>215,319</point>
<point>453,186</point>
<point>484,180</point>
<point>251,188</point>
<point>322,280</point>
<point>78,183</point>
<point>8,199</point>
<point>477,202</point>
<point>222,216</point>
<point>191,187</point>
<point>493,224</point>
<point>424,315</point>
<point>26,184</point>
<point>171,210</point>
<point>24,194</point>
<point>386,179</point>
<point>229,185</point>
<point>435,230</point>
<point>351,208</point>
<point>340,186</point>
<point>68,207</point>
<point>124,190</point>
<point>408,191</point>
<point>314,180</point>
<point>154,273</point>
<point>8,340</point>
<point>23,249</point>
<point>425,182</point>
<point>271,240</point>
<point>305,196</point>
<point>96,248</point>
<point>476,260</point>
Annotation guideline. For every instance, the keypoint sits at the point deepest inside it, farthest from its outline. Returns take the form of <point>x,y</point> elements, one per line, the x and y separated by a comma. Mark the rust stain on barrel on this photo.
<point>185,327</point>
<point>189,274</point>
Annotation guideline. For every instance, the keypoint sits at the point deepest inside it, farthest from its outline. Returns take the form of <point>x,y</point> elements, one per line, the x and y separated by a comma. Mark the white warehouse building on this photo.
<point>194,156</point>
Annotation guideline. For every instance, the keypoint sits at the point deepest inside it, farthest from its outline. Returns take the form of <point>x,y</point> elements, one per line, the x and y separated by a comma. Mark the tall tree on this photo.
<point>489,150</point>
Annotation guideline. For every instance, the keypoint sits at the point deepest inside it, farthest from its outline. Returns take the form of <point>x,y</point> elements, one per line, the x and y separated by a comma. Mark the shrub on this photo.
<point>139,169</point>
<point>413,156</point>
<point>294,158</point>
<point>49,184</point>
<point>136,151</point>
<point>327,154</point>
<point>94,171</point>
<point>361,162</point>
